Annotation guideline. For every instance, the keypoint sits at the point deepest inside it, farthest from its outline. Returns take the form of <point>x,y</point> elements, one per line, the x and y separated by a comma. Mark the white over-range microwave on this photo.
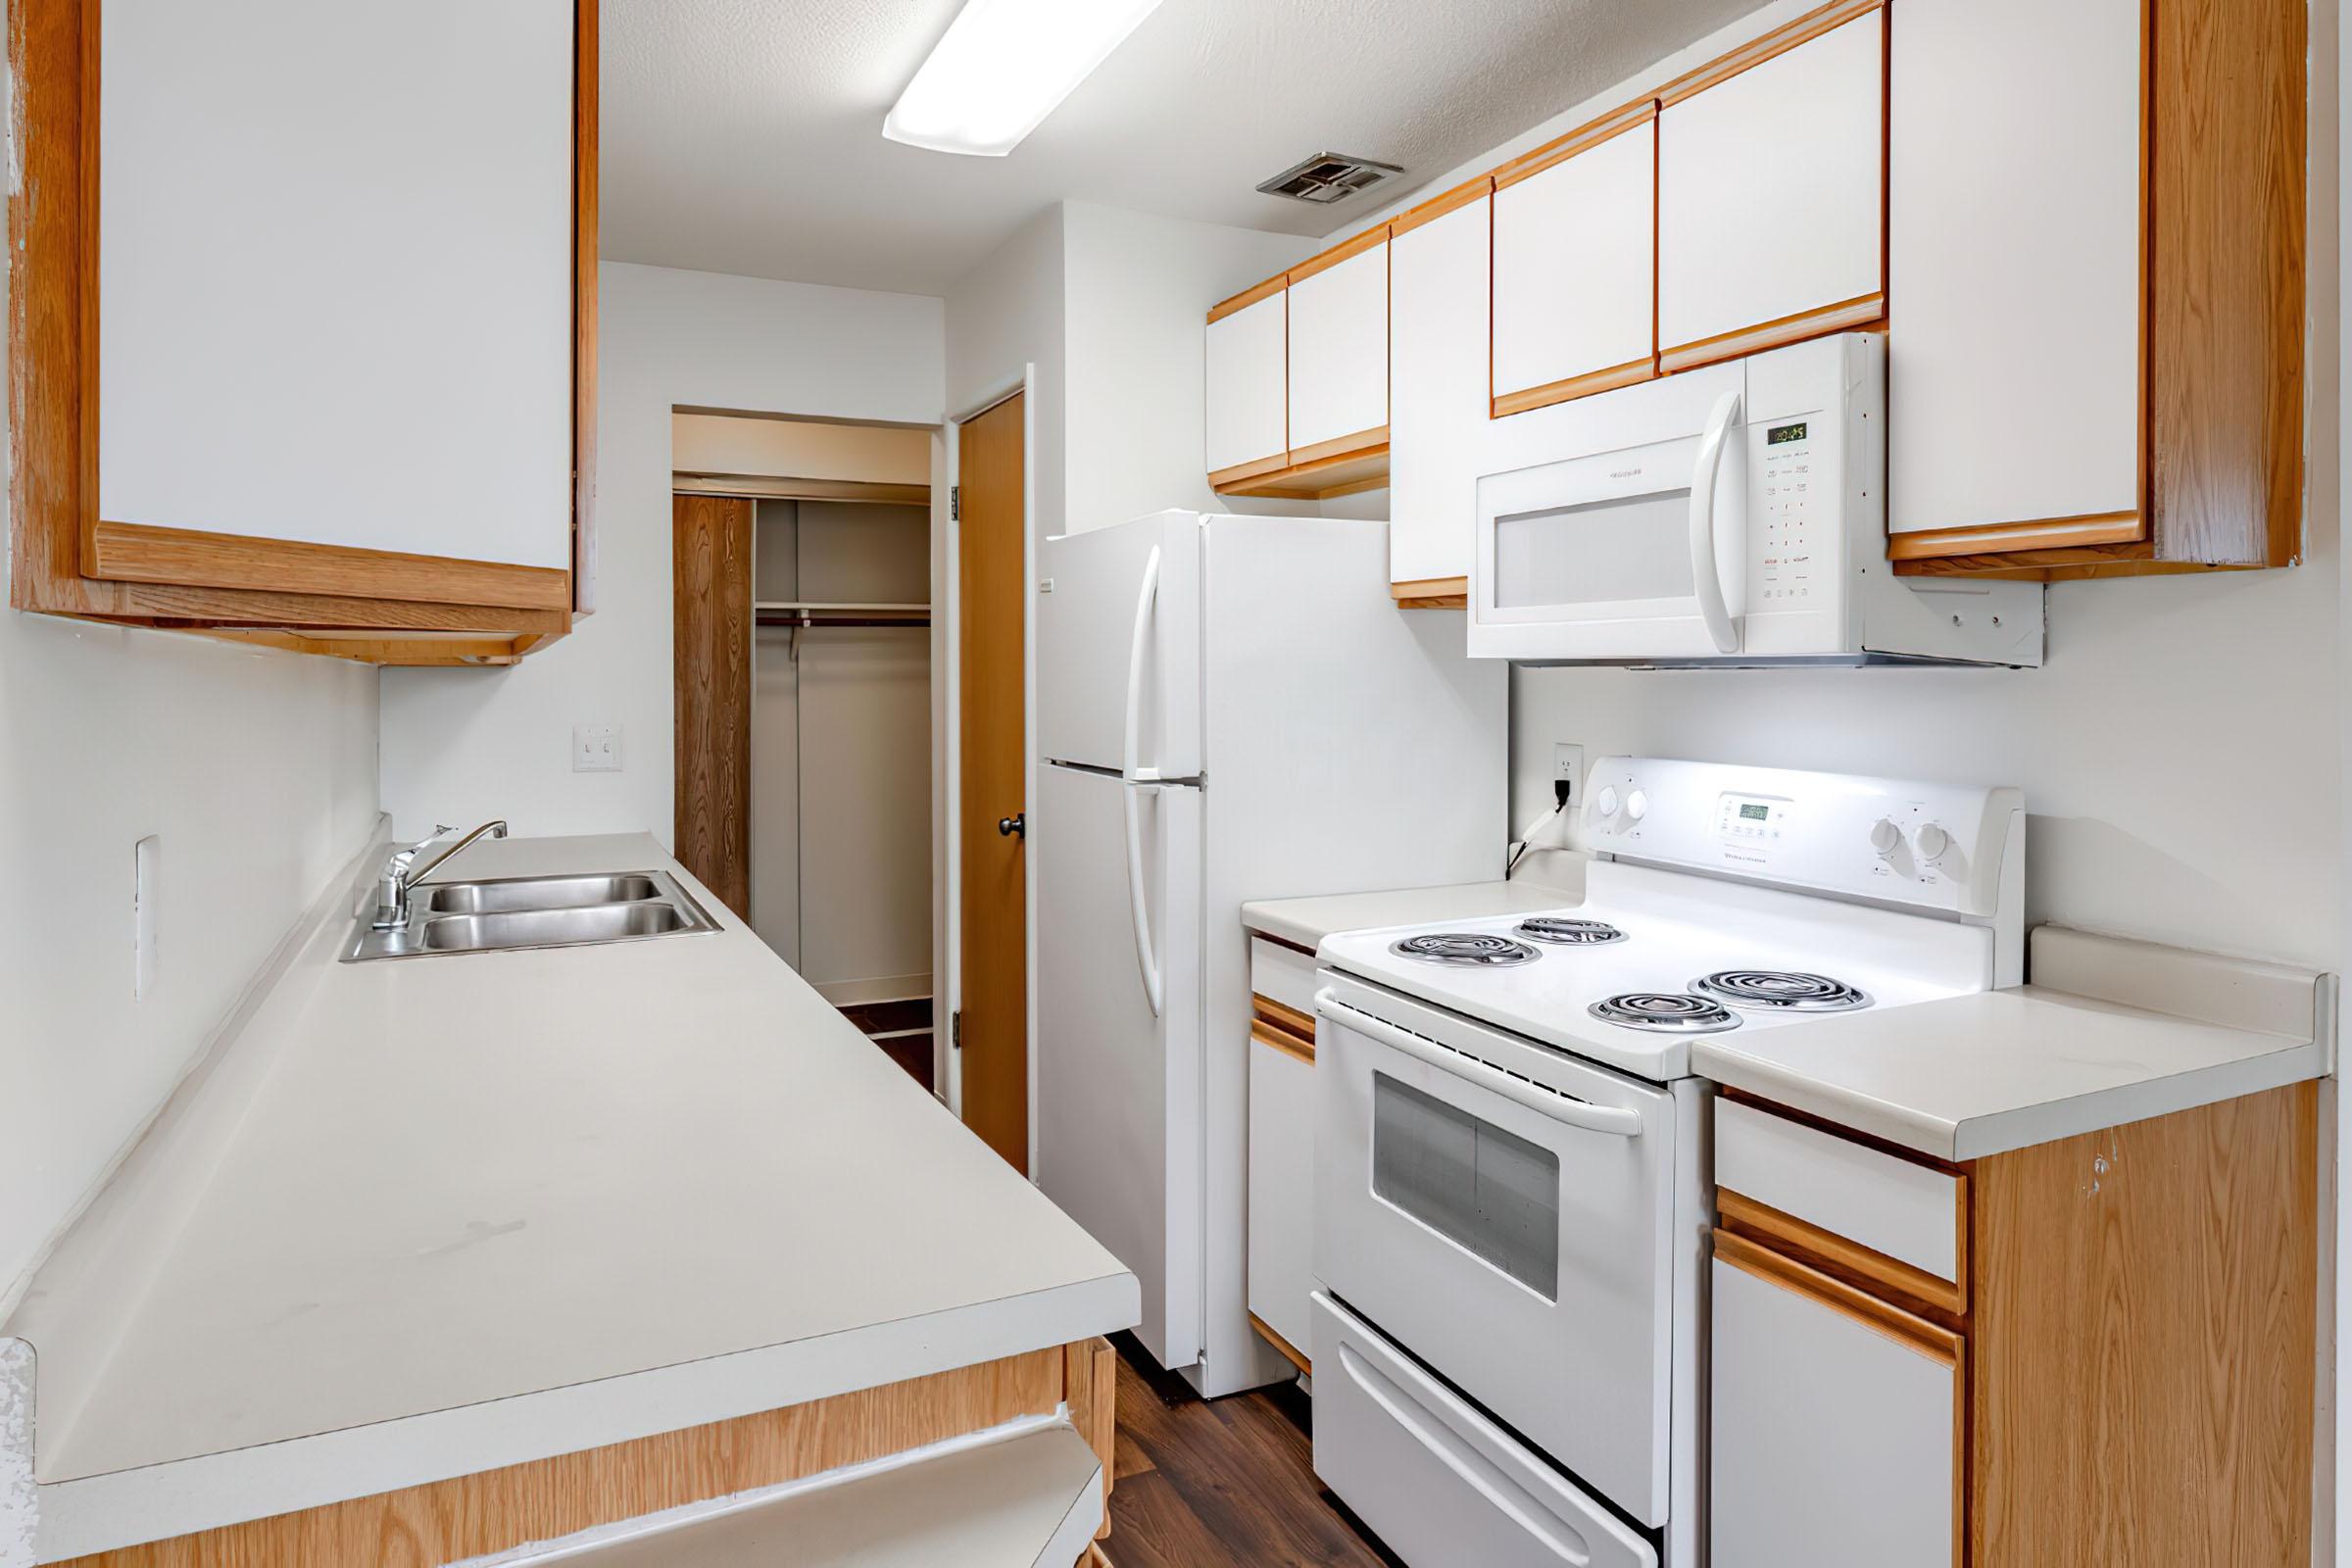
<point>1733,514</point>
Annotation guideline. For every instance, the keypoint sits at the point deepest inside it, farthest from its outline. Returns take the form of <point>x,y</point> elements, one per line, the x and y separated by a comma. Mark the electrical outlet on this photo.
<point>1568,767</point>
<point>596,748</point>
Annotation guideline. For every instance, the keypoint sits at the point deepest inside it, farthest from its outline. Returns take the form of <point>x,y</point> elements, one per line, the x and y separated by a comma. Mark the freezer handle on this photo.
<point>1139,914</point>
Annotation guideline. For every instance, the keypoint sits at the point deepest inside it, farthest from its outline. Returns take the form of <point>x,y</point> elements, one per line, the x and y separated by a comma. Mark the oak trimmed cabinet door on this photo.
<point>1248,385</point>
<point>304,356</point>
<point>1771,191</point>
<point>1438,267</point>
<point>2016,245</point>
<point>1573,293</point>
<point>1339,349</point>
<point>1835,1439</point>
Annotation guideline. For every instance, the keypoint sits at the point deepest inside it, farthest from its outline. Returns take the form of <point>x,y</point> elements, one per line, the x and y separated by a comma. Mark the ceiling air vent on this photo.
<point>1329,178</point>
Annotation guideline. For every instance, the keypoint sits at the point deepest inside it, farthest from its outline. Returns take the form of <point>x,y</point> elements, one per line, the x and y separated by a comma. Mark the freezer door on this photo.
<point>1118,648</point>
<point>1118,1083</point>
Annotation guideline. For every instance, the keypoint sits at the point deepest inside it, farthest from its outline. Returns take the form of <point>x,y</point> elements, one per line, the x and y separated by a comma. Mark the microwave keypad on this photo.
<point>1787,566</point>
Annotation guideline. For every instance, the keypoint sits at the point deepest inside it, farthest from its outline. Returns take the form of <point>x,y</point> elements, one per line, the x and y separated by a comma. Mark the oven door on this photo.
<point>1625,552</point>
<point>1504,1212</point>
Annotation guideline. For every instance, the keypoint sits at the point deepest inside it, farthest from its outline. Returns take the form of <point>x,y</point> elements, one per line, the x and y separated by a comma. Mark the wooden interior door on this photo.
<point>994,1025</point>
<point>711,574</point>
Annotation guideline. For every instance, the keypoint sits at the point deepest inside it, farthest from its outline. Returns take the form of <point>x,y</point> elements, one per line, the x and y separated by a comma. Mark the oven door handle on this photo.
<point>1706,579</point>
<point>1559,1107</point>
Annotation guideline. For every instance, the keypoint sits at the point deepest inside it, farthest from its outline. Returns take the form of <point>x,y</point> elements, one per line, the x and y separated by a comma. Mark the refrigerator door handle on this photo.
<point>1146,609</point>
<point>1137,915</point>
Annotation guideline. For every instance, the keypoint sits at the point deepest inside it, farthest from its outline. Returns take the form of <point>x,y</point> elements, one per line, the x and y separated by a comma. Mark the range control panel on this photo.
<point>1936,846</point>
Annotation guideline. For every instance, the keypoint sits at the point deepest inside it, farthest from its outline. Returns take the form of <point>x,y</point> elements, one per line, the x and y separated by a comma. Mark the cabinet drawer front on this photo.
<point>1285,975</point>
<point>1436,1480</point>
<point>1909,1213</point>
<point>1836,1443</point>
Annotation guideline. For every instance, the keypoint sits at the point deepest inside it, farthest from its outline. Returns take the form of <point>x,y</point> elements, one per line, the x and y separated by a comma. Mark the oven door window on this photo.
<point>1490,1191</point>
<point>1608,552</point>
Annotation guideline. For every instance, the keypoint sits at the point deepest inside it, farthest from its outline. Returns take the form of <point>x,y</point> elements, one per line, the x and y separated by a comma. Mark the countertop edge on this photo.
<point>2019,1127</point>
<point>155,1502</point>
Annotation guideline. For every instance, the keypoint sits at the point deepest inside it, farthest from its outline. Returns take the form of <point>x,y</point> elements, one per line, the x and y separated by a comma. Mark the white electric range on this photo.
<point>1513,1190</point>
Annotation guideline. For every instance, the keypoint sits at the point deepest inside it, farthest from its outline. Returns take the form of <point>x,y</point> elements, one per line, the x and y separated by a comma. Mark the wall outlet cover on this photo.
<point>1568,764</point>
<point>596,748</point>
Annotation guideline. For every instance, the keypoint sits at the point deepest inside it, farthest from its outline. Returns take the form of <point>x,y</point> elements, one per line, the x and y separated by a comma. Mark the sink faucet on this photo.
<point>401,872</point>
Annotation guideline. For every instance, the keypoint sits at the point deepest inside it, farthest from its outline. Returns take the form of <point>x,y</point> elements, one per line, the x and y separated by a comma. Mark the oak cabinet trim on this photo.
<point>1235,304</point>
<point>129,552</point>
<point>1432,593</point>
<point>1864,309</point>
<point>1802,29</point>
<point>1437,207</point>
<point>1567,390</point>
<point>1243,472</point>
<point>2054,533</point>
<point>1582,139</point>
<point>1345,250</point>
<point>1289,1352</point>
<point>1777,1268</point>
<point>58,537</point>
<point>586,215</point>
<point>1761,1223</point>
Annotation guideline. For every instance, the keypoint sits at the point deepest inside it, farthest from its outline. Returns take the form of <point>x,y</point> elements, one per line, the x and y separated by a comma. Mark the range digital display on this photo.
<point>1756,811</point>
<point>1782,435</point>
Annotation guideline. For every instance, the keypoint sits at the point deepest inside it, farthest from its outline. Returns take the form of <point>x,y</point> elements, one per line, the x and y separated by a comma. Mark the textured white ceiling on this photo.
<point>746,135</point>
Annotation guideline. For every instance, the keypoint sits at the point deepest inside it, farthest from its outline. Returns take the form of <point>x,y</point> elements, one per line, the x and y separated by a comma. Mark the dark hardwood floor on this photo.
<point>1223,1484</point>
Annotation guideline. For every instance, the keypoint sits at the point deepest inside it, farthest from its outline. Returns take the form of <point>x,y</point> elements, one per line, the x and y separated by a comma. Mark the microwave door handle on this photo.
<point>1559,1107</point>
<point>1706,582</point>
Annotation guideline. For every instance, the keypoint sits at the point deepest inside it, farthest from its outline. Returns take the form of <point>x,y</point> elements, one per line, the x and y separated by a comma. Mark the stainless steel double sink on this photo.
<point>546,912</point>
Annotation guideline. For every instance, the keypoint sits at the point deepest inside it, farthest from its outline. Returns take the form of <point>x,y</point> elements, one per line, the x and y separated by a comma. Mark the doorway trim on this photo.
<point>946,588</point>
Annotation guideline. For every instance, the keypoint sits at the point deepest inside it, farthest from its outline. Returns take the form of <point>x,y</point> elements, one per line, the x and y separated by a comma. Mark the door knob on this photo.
<point>1014,827</point>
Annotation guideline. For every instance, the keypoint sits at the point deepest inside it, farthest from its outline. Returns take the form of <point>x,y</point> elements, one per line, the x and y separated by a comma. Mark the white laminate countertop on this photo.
<point>1306,922</point>
<point>466,1210</point>
<point>2111,1032</point>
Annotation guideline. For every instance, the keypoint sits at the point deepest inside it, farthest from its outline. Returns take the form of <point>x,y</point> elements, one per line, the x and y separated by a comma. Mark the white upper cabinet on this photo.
<point>1339,349</point>
<point>1248,386</point>
<point>1438,405</point>
<point>2014,384</point>
<point>1769,198</point>
<point>1572,271</point>
<point>335,273</point>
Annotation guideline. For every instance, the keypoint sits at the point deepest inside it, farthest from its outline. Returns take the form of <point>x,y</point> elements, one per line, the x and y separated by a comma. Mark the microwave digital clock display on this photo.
<point>1781,435</point>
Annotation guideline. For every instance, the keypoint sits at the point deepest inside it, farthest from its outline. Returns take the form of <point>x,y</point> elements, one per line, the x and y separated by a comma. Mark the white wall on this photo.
<point>1005,314</point>
<point>470,748</point>
<point>1136,295</point>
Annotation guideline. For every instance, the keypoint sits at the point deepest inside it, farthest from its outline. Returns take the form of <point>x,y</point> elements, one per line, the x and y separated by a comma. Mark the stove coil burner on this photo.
<point>1665,1013</point>
<point>1780,991</point>
<point>1468,949</point>
<point>1561,931</point>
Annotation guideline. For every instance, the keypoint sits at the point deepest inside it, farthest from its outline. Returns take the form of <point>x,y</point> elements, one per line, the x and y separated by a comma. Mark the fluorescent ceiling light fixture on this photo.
<point>1004,67</point>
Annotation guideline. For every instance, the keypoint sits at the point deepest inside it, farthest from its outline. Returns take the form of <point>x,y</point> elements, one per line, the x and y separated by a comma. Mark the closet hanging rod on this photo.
<point>867,606</point>
<point>816,620</point>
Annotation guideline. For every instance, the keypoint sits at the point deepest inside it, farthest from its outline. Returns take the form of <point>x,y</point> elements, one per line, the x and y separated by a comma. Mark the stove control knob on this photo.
<point>1606,800</point>
<point>1637,805</point>
<point>1932,842</point>
<point>1886,837</point>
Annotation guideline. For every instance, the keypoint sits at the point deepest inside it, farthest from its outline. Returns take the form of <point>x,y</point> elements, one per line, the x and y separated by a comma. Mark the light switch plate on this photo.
<point>596,748</point>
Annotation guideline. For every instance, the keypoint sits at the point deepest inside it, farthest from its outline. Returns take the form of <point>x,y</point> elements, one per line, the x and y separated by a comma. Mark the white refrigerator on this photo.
<point>1229,708</point>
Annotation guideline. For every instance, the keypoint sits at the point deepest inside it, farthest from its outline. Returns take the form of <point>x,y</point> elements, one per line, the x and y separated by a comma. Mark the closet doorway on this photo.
<point>801,574</point>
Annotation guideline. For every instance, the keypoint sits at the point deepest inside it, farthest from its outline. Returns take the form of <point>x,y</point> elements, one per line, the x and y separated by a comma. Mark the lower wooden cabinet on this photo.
<point>1282,1146</point>
<point>2123,1370</point>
